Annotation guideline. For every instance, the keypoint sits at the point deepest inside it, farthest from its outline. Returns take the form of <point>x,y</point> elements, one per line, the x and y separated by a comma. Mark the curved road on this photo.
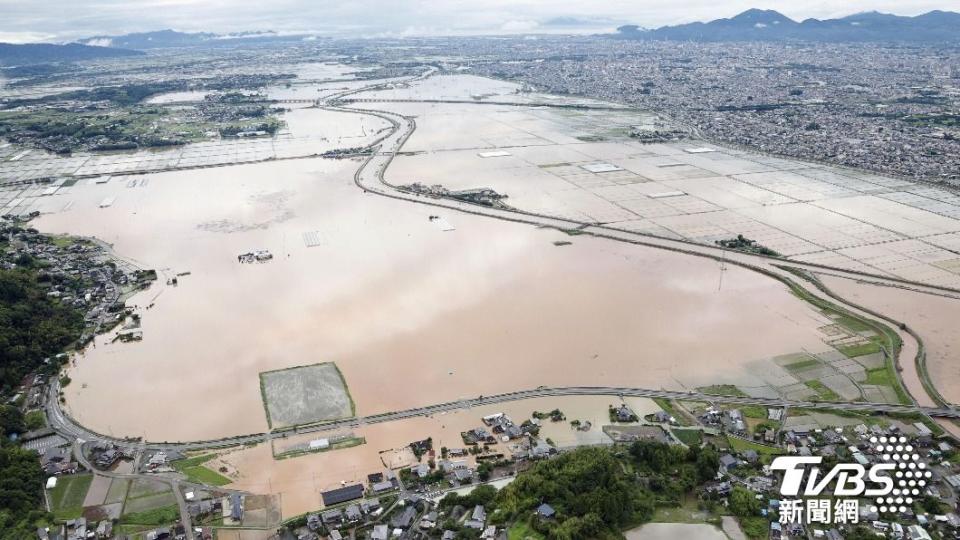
<point>370,177</point>
<point>67,427</point>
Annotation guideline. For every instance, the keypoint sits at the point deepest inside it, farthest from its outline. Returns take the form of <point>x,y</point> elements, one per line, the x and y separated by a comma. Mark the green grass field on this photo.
<point>741,445</point>
<point>803,364</point>
<point>182,464</point>
<point>522,530</point>
<point>722,390</point>
<point>852,351</point>
<point>66,499</point>
<point>203,475</point>
<point>754,411</point>
<point>822,391</point>
<point>155,517</point>
<point>880,377</point>
<point>196,472</point>
<point>689,437</point>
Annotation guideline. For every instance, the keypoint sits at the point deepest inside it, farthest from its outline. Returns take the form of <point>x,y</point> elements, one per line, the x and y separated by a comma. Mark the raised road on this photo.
<point>67,427</point>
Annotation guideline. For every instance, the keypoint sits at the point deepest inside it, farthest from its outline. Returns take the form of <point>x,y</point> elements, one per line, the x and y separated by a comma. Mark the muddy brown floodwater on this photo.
<point>933,317</point>
<point>300,480</point>
<point>411,314</point>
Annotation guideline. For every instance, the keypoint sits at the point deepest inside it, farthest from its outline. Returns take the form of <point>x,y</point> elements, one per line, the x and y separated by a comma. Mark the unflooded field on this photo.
<point>669,531</point>
<point>411,314</point>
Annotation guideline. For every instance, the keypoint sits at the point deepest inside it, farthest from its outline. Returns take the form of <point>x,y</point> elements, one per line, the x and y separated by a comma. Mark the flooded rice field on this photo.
<point>308,132</point>
<point>411,314</point>
<point>933,317</point>
<point>582,165</point>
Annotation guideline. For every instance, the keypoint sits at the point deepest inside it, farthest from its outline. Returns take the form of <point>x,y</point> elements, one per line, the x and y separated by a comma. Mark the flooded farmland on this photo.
<point>933,317</point>
<point>256,470</point>
<point>411,314</point>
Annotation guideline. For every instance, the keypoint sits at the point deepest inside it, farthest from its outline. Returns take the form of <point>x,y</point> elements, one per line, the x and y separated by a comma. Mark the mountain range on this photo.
<point>769,25</point>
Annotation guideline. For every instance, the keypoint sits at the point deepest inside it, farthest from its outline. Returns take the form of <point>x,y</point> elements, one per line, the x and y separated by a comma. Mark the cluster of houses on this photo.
<point>258,256</point>
<point>82,274</point>
<point>105,454</point>
<point>58,460</point>
<point>730,420</point>
<point>501,428</point>
<point>78,529</point>
<point>854,444</point>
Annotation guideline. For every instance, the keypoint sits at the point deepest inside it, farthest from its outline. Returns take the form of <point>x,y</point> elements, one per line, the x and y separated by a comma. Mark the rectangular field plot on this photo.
<point>304,395</point>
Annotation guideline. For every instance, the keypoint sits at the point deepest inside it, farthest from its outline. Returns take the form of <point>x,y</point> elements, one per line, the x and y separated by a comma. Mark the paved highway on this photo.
<point>66,427</point>
<point>370,177</point>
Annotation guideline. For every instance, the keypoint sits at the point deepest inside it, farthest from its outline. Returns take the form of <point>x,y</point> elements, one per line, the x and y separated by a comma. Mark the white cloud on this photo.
<point>519,26</point>
<point>39,20</point>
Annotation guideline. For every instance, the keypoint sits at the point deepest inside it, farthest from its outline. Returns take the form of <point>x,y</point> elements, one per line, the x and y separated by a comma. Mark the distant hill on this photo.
<point>39,53</point>
<point>769,25</point>
<point>172,38</point>
<point>150,40</point>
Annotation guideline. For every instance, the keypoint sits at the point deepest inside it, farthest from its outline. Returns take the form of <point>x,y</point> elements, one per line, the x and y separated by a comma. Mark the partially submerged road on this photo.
<point>794,274</point>
<point>370,177</point>
<point>65,425</point>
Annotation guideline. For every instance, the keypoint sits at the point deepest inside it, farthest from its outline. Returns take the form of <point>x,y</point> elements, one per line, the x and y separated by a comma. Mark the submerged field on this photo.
<point>411,314</point>
<point>415,305</point>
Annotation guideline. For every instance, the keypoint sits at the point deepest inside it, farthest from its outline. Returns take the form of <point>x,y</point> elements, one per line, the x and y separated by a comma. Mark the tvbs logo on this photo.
<point>893,482</point>
<point>849,479</point>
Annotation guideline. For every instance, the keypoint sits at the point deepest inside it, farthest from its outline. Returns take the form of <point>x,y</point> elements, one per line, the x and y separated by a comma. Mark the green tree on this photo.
<point>743,502</point>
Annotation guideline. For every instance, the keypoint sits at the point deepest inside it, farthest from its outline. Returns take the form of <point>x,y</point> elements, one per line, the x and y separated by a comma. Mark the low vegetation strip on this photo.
<point>722,390</point>
<point>153,517</point>
<point>196,471</point>
<point>66,499</point>
<point>823,393</point>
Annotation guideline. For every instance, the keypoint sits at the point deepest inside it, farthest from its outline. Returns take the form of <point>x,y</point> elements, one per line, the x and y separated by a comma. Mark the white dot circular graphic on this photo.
<point>883,439</point>
<point>903,509</point>
<point>883,509</point>
<point>873,439</point>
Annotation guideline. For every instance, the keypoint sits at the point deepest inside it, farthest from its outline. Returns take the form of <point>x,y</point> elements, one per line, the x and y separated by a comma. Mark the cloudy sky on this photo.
<point>64,20</point>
